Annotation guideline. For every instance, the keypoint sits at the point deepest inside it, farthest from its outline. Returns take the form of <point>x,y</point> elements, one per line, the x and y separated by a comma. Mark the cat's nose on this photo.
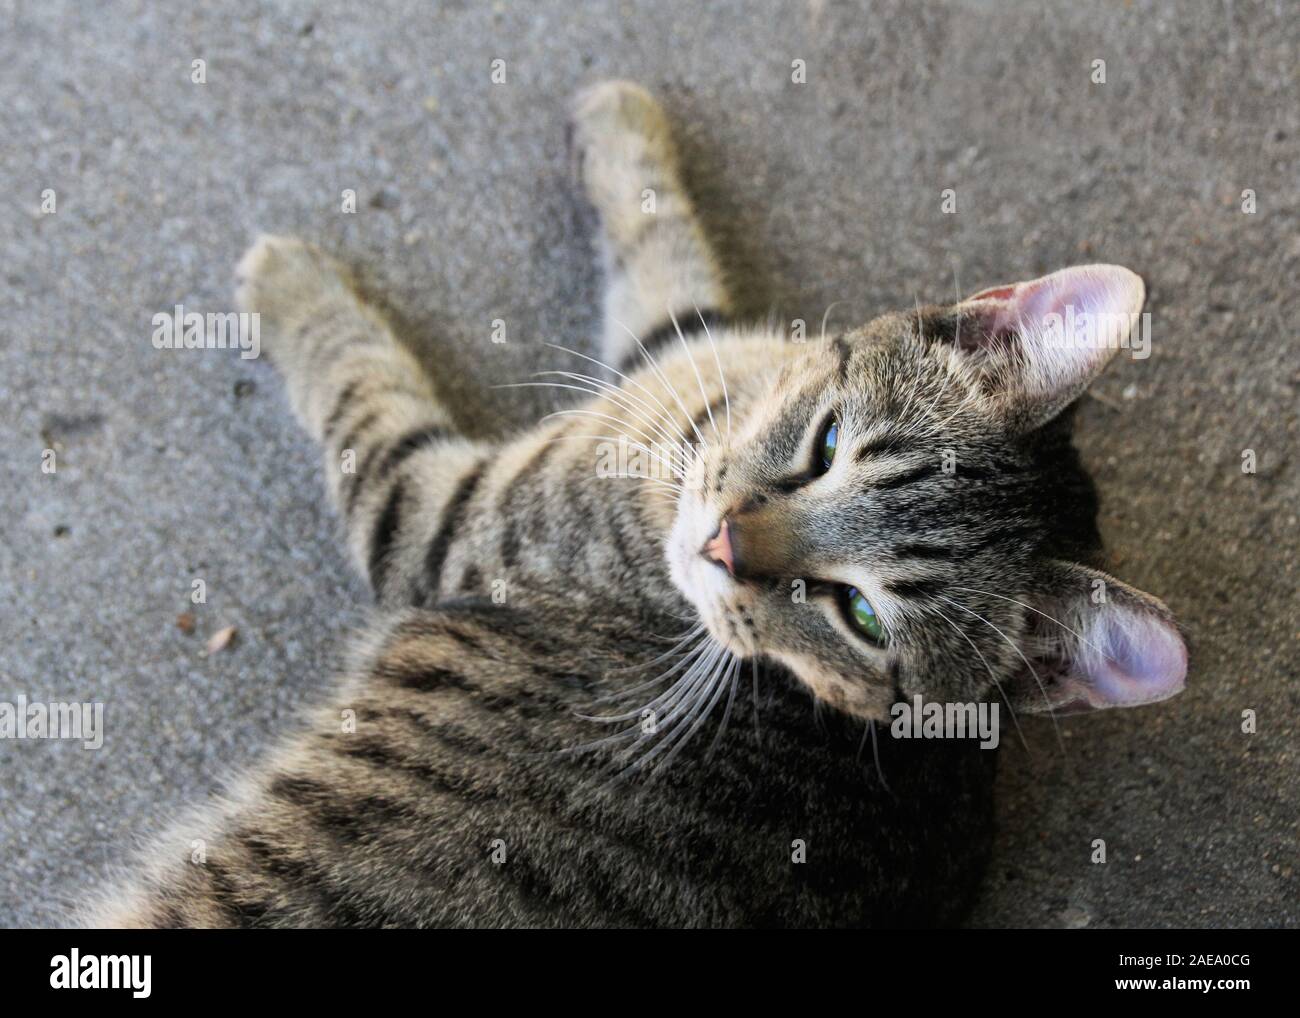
<point>760,541</point>
<point>718,549</point>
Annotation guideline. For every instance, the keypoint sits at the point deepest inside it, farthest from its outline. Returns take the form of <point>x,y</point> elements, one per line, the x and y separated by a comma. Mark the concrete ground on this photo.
<point>173,466</point>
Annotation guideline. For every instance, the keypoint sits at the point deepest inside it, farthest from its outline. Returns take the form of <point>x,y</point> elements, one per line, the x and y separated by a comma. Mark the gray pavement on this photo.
<point>177,465</point>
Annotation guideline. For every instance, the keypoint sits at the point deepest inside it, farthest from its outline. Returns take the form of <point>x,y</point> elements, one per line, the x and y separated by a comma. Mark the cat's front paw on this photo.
<point>620,150</point>
<point>286,281</point>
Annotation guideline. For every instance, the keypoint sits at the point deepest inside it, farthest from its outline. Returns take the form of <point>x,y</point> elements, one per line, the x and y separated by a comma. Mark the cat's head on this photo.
<point>903,513</point>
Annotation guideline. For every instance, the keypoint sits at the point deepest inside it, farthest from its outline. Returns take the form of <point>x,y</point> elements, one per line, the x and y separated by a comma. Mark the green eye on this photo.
<point>830,437</point>
<point>862,615</point>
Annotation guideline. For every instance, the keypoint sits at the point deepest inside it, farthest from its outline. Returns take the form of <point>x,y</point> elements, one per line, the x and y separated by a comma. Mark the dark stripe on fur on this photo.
<point>378,753</point>
<point>349,441</point>
<point>410,443</point>
<point>452,516</point>
<point>327,323</point>
<point>227,895</point>
<point>349,816</point>
<point>470,580</point>
<point>470,643</point>
<point>397,453</point>
<point>913,588</point>
<point>888,445</point>
<point>341,405</point>
<point>927,551</point>
<point>422,678</point>
<point>1025,539</point>
<point>509,511</point>
<point>905,478</point>
<point>271,860</point>
<point>381,538</point>
<point>456,737</point>
<point>431,679</point>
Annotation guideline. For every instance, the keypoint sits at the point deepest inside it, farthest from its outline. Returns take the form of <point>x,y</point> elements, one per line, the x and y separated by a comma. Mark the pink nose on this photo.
<point>718,548</point>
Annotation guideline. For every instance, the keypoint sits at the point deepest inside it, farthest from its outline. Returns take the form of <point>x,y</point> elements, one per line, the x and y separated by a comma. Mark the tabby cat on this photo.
<point>816,532</point>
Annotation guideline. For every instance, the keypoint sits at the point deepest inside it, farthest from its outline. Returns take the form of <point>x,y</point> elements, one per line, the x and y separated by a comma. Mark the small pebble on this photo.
<point>221,639</point>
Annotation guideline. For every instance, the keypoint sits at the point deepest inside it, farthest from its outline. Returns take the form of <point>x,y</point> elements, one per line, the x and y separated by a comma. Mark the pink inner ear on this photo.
<point>1130,658</point>
<point>1045,339</point>
<point>997,293</point>
<point>1084,290</point>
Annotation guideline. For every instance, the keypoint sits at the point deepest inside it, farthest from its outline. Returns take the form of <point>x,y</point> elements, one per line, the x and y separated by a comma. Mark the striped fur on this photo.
<point>517,585</point>
<point>446,806</point>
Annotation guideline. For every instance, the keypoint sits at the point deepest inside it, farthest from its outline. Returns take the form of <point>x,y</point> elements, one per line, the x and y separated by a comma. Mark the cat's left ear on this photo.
<point>1093,642</point>
<point>1039,344</point>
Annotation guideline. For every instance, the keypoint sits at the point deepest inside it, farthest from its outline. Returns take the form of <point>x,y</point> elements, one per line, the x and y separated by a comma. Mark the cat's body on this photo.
<point>444,807</point>
<point>519,583</point>
<point>429,791</point>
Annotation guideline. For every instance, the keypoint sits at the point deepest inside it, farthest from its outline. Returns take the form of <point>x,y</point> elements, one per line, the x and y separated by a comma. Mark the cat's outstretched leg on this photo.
<point>394,460</point>
<point>658,263</point>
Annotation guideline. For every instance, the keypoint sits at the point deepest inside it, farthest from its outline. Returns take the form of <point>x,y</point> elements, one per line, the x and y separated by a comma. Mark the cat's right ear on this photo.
<point>1093,642</point>
<point>1037,345</point>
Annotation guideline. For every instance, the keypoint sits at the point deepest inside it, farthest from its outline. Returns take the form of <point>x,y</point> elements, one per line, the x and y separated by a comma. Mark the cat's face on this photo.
<point>903,515</point>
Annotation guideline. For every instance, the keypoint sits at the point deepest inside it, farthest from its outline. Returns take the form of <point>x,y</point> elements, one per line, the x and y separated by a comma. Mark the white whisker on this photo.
<point>726,712</point>
<point>626,378</point>
<point>992,674</point>
<point>679,469</point>
<point>695,652</point>
<point>654,366</point>
<point>722,377</point>
<point>1011,643</point>
<point>699,379</point>
<point>615,438</point>
<point>700,714</point>
<point>631,404</point>
<point>1031,608</point>
<point>695,630</point>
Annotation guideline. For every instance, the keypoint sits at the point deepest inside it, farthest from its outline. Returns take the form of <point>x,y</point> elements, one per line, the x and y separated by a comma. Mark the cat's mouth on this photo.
<point>698,561</point>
